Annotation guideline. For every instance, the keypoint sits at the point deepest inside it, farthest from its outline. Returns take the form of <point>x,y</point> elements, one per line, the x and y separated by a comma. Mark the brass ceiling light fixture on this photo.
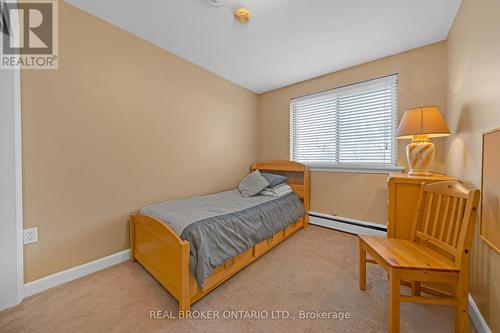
<point>242,15</point>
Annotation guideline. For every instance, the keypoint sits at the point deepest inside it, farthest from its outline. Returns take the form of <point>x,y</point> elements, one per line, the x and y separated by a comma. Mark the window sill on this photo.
<point>383,170</point>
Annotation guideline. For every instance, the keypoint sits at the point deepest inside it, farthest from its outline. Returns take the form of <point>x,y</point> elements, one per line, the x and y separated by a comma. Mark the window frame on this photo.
<point>350,167</point>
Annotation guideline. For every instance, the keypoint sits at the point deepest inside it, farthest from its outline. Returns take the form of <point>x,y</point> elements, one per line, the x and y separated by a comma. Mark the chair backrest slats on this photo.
<point>445,216</point>
<point>452,218</point>
<point>449,226</point>
<point>457,223</point>
<point>436,215</point>
<point>428,210</point>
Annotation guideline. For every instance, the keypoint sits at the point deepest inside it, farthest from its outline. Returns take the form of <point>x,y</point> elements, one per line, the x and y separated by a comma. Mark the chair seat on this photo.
<point>404,254</point>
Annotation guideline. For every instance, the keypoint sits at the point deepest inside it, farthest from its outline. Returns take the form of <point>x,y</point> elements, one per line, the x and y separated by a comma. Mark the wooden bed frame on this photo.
<point>160,250</point>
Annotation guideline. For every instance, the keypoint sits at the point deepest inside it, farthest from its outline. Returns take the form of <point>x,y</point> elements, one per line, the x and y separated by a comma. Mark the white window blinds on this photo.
<point>348,127</point>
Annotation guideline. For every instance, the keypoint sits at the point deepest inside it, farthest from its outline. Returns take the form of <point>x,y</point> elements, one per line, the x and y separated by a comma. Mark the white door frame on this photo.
<point>11,225</point>
<point>19,187</point>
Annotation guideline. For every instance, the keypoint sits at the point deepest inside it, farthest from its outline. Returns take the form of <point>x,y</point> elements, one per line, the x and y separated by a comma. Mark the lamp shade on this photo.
<point>422,121</point>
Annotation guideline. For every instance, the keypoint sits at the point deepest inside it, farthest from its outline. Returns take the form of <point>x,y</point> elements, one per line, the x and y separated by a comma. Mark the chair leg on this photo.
<point>415,288</point>
<point>362,267</point>
<point>394,300</point>
<point>462,307</point>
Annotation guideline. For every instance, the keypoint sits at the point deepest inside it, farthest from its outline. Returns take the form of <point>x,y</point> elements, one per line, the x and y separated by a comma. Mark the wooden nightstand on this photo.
<point>402,198</point>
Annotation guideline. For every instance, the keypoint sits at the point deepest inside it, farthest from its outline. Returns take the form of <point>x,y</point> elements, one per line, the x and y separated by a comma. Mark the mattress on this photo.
<point>223,225</point>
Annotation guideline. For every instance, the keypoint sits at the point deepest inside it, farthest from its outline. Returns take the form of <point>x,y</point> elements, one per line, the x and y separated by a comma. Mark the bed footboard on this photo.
<point>163,254</point>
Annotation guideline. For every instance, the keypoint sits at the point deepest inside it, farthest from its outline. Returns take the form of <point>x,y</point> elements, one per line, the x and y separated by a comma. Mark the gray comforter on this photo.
<point>222,225</point>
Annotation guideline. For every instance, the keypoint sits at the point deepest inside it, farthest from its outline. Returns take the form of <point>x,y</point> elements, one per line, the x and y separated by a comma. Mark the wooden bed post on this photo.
<point>184,296</point>
<point>306,195</point>
<point>132,238</point>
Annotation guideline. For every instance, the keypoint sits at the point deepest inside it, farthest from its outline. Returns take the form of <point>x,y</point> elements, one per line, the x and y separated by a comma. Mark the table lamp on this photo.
<point>420,124</point>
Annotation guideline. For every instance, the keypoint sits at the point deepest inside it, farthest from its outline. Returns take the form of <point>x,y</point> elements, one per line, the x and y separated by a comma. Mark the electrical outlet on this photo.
<point>30,235</point>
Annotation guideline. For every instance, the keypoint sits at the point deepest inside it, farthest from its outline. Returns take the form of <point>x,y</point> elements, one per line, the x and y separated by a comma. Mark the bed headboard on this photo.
<point>297,173</point>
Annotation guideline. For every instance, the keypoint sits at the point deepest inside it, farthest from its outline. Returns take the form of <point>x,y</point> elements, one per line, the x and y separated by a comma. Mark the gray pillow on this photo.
<point>273,179</point>
<point>252,184</point>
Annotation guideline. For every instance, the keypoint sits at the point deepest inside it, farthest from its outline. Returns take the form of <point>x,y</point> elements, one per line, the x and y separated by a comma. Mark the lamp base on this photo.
<point>420,154</point>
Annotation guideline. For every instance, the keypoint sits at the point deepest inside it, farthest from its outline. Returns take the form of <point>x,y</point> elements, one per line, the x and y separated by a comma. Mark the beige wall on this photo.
<point>422,81</point>
<point>473,108</point>
<point>121,124</point>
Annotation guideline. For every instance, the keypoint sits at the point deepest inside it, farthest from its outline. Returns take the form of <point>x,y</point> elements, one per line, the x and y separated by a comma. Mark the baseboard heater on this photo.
<point>347,225</point>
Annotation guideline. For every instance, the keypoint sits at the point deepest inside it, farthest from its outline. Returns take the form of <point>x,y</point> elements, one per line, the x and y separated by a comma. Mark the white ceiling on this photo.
<point>287,41</point>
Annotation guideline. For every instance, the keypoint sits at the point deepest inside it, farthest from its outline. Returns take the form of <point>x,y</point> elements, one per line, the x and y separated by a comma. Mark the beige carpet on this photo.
<point>316,269</point>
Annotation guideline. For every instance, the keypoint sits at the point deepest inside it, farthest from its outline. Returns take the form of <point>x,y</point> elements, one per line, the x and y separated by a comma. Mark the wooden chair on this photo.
<point>439,250</point>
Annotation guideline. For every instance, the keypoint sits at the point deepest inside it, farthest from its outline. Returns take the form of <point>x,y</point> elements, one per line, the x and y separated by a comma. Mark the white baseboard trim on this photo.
<point>56,279</point>
<point>346,224</point>
<point>477,318</point>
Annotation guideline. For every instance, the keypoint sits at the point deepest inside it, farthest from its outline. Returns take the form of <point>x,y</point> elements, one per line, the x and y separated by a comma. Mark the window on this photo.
<point>351,127</point>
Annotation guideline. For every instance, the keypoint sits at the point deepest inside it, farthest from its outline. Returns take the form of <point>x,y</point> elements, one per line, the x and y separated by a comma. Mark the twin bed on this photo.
<point>193,245</point>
